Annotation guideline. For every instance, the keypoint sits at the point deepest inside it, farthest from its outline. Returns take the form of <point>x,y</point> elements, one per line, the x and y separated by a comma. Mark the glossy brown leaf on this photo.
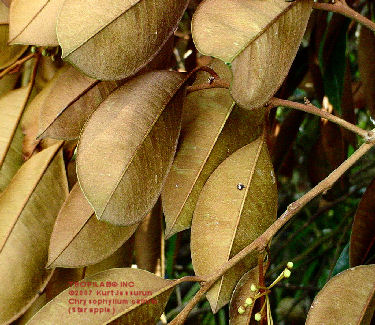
<point>29,124</point>
<point>127,147</point>
<point>366,66</point>
<point>62,277</point>
<point>28,208</point>
<point>4,13</point>
<point>363,230</point>
<point>260,69</point>
<point>236,205</point>
<point>70,99</point>
<point>60,281</point>
<point>149,242</point>
<point>213,128</point>
<point>240,294</point>
<point>348,298</point>
<point>7,2</point>
<point>47,69</point>
<point>146,311</point>
<point>8,53</point>
<point>139,28</point>
<point>34,22</point>
<point>34,308</point>
<point>79,238</point>
<point>259,38</point>
<point>123,257</point>
<point>11,109</point>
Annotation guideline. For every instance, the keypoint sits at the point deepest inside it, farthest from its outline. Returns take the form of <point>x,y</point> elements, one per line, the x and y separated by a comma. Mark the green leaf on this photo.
<point>333,64</point>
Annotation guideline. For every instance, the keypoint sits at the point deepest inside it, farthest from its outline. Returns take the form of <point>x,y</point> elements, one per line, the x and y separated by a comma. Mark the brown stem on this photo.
<point>16,64</point>
<point>216,83</point>
<point>181,317</point>
<point>342,8</point>
<point>261,242</point>
<point>262,284</point>
<point>189,279</point>
<point>310,108</point>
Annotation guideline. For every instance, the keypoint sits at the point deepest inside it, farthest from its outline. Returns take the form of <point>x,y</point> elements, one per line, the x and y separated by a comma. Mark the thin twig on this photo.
<point>342,8</point>
<point>317,244</point>
<point>190,279</point>
<point>262,284</point>
<point>310,108</point>
<point>216,83</point>
<point>16,64</point>
<point>261,242</point>
<point>320,211</point>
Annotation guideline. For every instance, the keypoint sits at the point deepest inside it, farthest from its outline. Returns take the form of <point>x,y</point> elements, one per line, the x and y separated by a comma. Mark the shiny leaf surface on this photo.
<point>213,129</point>
<point>127,147</point>
<point>70,99</point>
<point>79,238</point>
<point>140,308</point>
<point>28,208</point>
<point>348,298</point>
<point>139,28</point>
<point>237,203</point>
<point>34,22</point>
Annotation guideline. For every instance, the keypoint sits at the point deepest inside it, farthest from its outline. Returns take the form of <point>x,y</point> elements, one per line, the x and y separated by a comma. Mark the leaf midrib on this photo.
<point>99,29</point>
<point>201,168</point>
<point>259,149</point>
<point>146,134</point>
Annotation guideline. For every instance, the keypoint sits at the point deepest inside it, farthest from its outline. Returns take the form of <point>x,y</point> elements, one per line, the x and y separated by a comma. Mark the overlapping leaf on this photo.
<point>213,129</point>
<point>28,208</point>
<point>259,38</point>
<point>34,22</point>
<point>363,230</point>
<point>79,238</point>
<point>146,300</point>
<point>8,53</point>
<point>70,99</point>
<point>62,277</point>
<point>236,205</point>
<point>4,13</point>
<point>12,106</point>
<point>240,294</point>
<point>149,242</point>
<point>127,146</point>
<point>139,28</point>
<point>123,257</point>
<point>348,298</point>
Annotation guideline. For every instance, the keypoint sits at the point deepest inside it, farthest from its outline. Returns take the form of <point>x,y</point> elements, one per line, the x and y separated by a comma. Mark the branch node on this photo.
<point>306,101</point>
<point>370,137</point>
